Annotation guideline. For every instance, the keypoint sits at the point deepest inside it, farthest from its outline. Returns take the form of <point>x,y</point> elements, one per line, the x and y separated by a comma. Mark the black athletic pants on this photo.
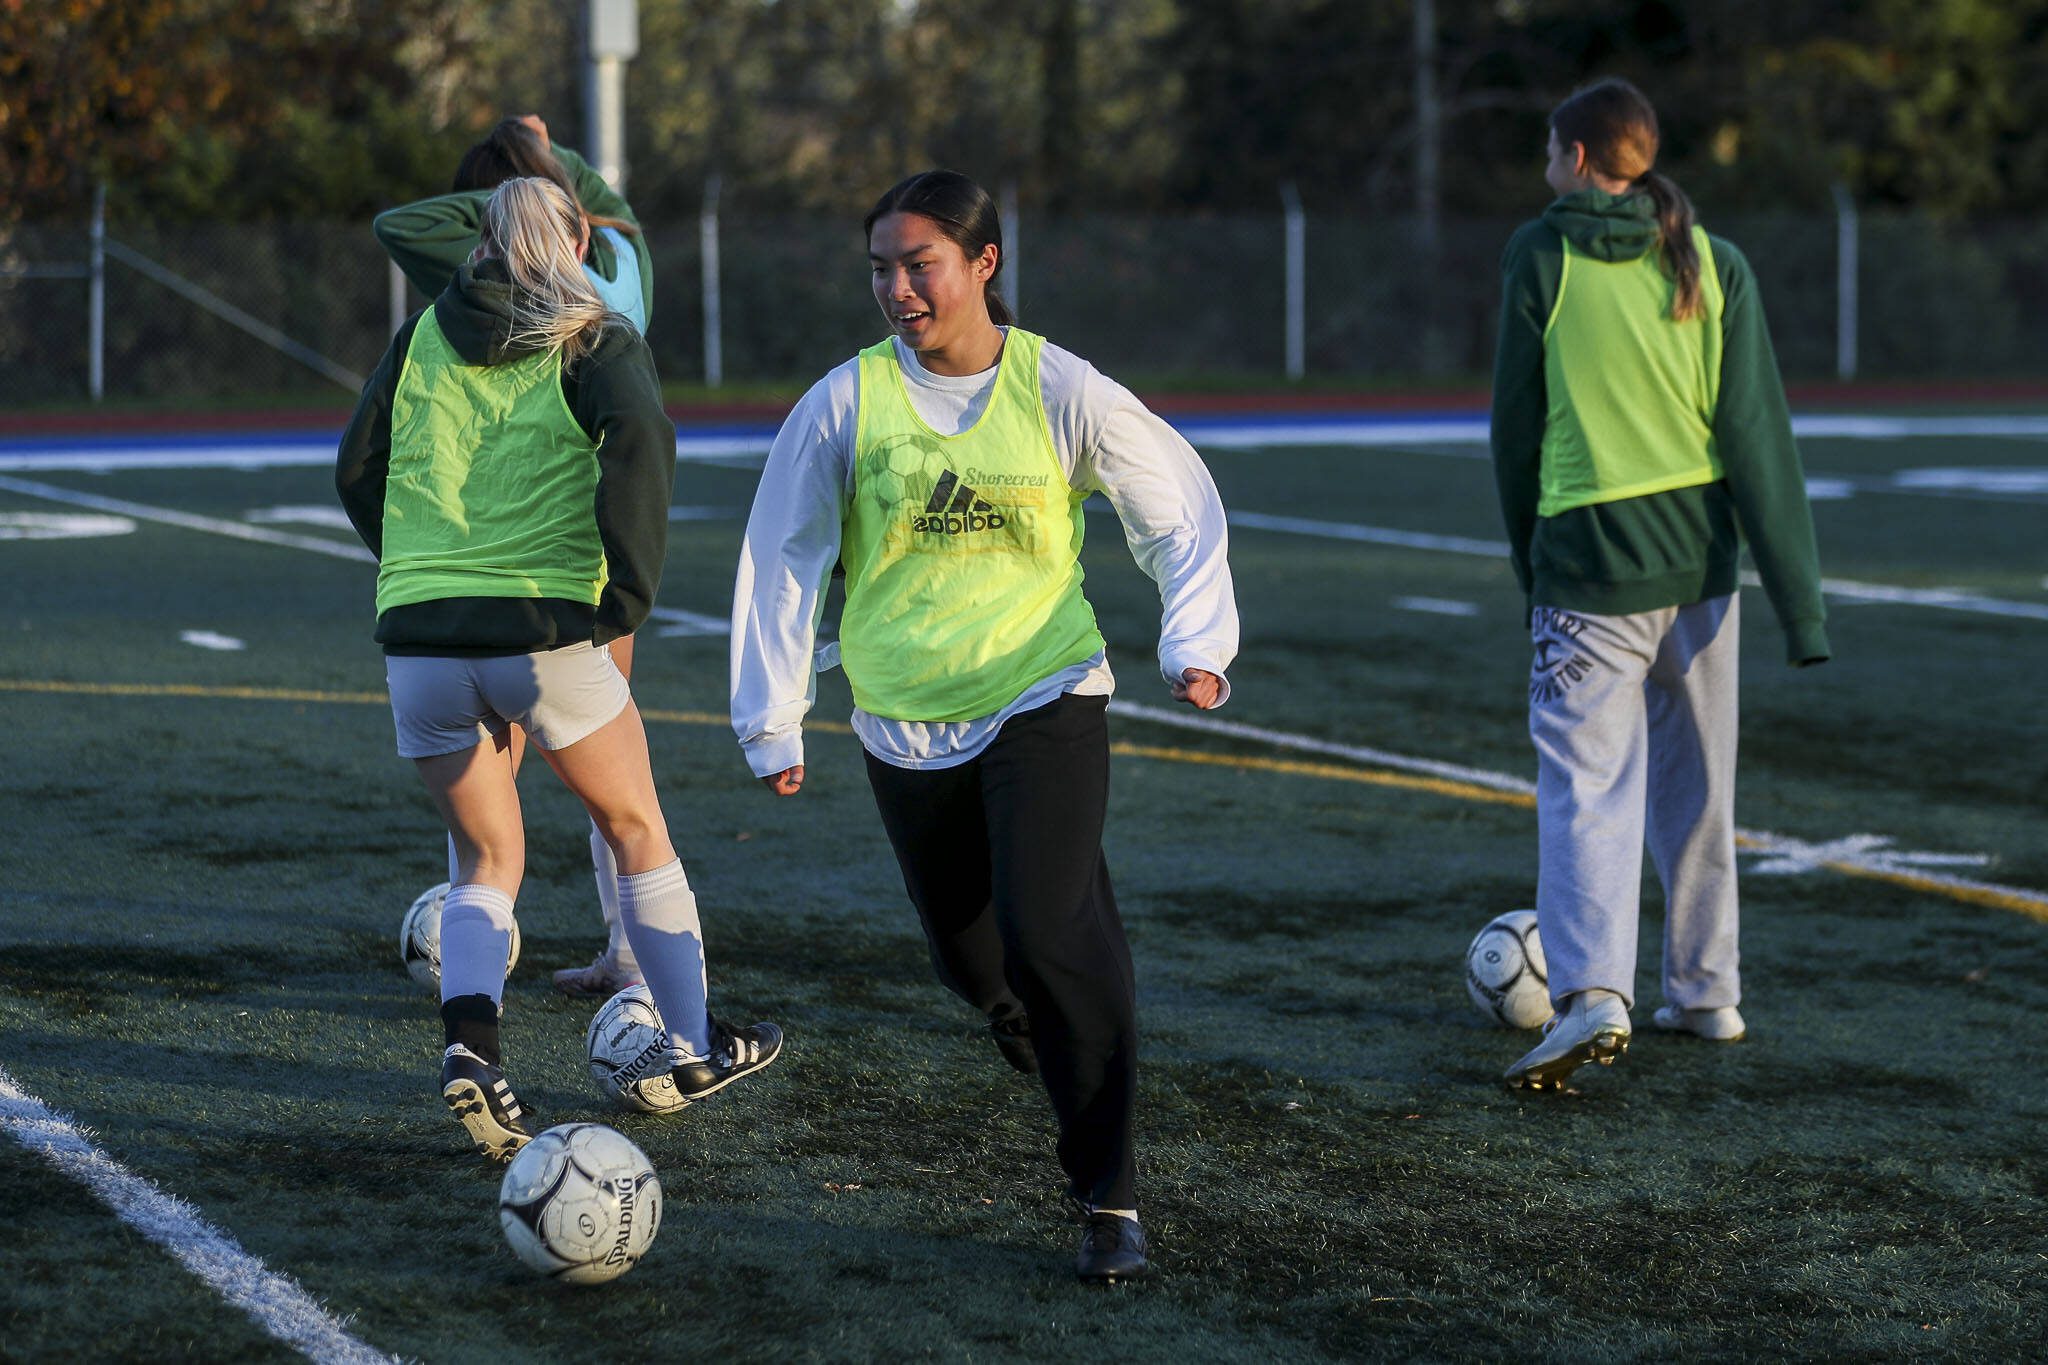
<point>1002,856</point>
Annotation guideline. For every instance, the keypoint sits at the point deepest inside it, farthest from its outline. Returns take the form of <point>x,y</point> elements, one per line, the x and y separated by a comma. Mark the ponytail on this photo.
<point>1681,253</point>
<point>1617,125</point>
<point>532,225</point>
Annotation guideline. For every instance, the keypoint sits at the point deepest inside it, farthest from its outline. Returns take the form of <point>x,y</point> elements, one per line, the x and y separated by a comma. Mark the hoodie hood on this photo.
<point>475,313</point>
<point>1607,227</point>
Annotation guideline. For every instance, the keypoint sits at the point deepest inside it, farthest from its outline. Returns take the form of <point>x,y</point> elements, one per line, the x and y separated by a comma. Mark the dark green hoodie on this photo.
<point>1664,549</point>
<point>615,397</point>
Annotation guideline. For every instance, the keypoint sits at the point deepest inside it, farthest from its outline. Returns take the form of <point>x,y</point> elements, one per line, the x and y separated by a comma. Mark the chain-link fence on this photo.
<point>1149,299</point>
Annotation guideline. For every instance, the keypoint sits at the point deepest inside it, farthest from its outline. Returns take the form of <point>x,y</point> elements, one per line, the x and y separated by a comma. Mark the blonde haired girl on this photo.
<point>510,465</point>
<point>428,240</point>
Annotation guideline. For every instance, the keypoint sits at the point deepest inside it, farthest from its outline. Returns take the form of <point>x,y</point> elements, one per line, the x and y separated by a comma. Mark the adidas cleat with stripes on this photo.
<point>735,1053</point>
<point>1584,1032</point>
<point>477,1095</point>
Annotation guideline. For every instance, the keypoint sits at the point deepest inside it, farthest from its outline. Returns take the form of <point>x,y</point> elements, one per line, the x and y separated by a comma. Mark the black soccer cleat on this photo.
<point>477,1095</point>
<point>1013,1040</point>
<point>735,1053</point>
<point>1112,1250</point>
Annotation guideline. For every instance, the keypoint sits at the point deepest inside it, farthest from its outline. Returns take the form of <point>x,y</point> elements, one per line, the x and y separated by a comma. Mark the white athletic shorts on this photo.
<point>443,705</point>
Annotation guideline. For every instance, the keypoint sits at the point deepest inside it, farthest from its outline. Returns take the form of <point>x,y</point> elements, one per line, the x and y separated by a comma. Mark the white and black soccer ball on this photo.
<point>419,938</point>
<point>580,1203</point>
<point>629,1053</point>
<point>1505,973</point>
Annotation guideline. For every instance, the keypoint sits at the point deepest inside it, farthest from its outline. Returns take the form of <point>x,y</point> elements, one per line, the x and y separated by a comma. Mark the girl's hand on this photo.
<point>1201,689</point>
<point>788,782</point>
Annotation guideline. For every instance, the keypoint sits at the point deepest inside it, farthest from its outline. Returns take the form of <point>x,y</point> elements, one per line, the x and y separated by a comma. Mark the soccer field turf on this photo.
<point>212,848</point>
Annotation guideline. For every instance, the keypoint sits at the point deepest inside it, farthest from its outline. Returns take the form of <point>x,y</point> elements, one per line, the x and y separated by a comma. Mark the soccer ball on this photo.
<point>628,1043</point>
<point>580,1203</point>
<point>1505,972</point>
<point>419,938</point>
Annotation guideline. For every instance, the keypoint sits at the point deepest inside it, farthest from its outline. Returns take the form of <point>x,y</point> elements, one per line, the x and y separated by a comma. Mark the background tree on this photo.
<point>239,109</point>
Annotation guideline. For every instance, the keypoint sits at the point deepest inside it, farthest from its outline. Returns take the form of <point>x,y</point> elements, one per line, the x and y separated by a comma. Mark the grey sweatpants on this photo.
<point>1634,723</point>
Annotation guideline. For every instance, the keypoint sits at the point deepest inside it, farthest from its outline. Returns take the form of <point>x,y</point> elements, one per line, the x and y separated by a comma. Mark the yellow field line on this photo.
<point>828,727</point>
<point>2018,900</point>
<point>1378,777</point>
<point>1999,897</point>
<point>85,689</point>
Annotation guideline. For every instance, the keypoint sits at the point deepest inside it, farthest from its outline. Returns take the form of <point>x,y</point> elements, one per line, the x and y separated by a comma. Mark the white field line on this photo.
<point>1370,535</point>
<point>1865,855</point>
<point>1458,435</point>
<point>1848,589</point>
<point>274,1302</point>
<point>1461,436</point>
<point>1280,739</point>
<point>1437,606</point>
<point>693,448</point>
<point>1949,599</point>
<point>1871,863</point>
<point>213,525</point>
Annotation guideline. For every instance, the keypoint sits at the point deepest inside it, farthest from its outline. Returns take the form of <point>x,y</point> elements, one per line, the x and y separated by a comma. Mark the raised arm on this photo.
<point>431,237</point>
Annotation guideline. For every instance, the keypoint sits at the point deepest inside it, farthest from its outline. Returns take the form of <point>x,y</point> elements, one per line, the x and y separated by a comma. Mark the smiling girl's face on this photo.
<point>933,293</point>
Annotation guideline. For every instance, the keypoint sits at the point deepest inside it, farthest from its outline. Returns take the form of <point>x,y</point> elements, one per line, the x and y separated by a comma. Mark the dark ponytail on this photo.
<point>1618,128</point>
<point>512,150</point>
<point>965,213</point>
<point>1681,253</point>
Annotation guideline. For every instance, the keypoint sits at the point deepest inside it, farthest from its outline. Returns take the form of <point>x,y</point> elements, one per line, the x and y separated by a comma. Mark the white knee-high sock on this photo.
<point>660,914</point>
<point>605,869</point>
<point>476,935</point>
<point>454,870</point>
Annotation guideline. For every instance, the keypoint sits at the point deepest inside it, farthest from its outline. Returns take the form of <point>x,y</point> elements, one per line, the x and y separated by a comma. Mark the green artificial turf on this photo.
<point>198,960</point>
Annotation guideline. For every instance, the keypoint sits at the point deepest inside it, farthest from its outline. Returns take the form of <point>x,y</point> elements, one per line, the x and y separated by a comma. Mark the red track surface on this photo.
<point>1815,395</point>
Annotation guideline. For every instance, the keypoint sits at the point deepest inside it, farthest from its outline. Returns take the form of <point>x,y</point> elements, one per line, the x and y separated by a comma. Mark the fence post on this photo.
<point>96,299</point>
<point>611,39</point>
<point>707,237</point>
<point>394,294</point>
<point>1297,280</point>
<point>1846,300</point>
<point>1007,212</point>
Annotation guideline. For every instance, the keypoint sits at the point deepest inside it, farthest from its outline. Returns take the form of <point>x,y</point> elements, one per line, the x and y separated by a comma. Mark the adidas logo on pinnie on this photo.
<point>955,510</point>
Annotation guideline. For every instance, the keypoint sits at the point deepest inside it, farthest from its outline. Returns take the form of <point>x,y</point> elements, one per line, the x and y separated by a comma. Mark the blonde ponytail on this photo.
<point>536,230</point>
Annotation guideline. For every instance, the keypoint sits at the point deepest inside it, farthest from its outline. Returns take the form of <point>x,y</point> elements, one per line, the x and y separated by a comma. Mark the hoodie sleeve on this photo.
<point>432,237</point>
<point>364,460</point>
<point>1760,460</point>
<point>1529,270</point>
<point>616,398</point>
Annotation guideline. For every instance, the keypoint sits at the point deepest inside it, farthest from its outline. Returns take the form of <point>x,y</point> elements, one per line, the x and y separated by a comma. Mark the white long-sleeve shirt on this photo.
<point>1106,440</point>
